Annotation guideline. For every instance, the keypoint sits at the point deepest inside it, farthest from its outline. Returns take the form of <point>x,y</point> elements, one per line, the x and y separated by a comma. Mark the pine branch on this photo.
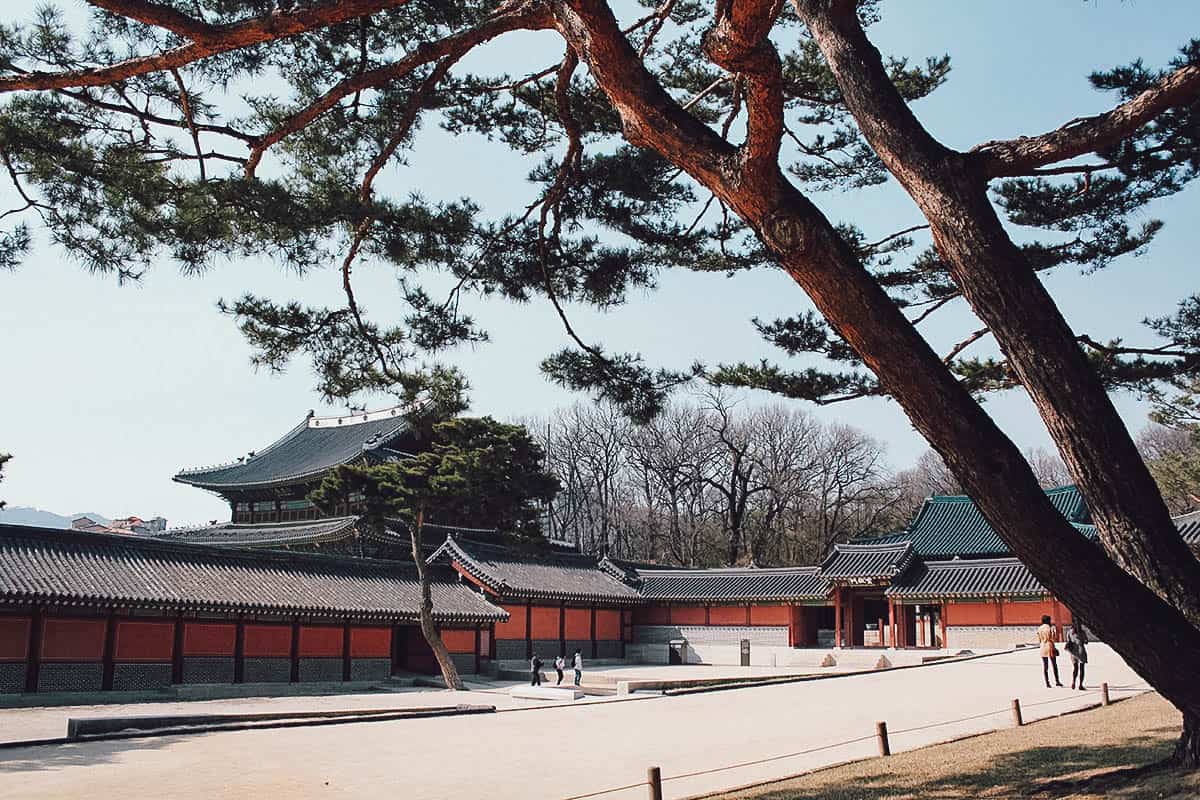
<point>1083,135</point>
<point>509,17</point>
<point>210,41</point>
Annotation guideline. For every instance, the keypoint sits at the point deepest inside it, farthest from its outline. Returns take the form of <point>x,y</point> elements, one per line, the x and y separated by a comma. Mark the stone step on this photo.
<point>555,693</point>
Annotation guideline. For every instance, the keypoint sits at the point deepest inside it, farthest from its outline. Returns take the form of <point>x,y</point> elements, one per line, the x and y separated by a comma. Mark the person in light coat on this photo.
<point>1045,636</point>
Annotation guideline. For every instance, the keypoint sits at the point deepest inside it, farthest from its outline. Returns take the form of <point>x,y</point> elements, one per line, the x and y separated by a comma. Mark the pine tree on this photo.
<point>472,473</point>
<point>129,144</point>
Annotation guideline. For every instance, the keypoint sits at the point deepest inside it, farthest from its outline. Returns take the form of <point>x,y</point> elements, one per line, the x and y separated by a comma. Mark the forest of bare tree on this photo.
<point>714,481</point>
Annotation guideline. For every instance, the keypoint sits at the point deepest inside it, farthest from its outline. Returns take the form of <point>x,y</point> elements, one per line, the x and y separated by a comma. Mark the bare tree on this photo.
<point>1048,467</point>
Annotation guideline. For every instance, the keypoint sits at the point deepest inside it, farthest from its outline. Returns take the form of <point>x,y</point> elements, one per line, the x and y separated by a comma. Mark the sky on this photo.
<point>106,391</point>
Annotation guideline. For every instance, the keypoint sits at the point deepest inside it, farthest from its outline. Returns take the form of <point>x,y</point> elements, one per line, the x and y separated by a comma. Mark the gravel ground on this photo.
<point>1071,756</point>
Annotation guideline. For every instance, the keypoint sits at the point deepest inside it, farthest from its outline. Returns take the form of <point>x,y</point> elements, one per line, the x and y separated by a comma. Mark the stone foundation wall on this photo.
<point>608,649</point>
<point>320,669</point>
<point>776,636</point>
<point>510,650</point>
<point>267,670</point>
<point>70,677</point>
<point>960,637</point>
<point>137,677</point>
<point>374,669</point>
<point>12,677</point>
<point>464,663</point>
<point>208,669</point>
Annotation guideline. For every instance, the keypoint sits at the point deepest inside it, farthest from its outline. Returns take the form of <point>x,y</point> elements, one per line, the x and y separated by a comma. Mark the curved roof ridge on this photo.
<point>67,537</point>
<point>871,546</point>
<point>307,450</point>
<point>688,571</point>
<point>294,523</point>
<point>357,418</point>
<point>243,459</point>
<point>967,563</point>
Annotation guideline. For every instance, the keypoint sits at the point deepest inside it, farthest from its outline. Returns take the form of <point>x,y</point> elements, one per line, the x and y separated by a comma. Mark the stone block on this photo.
<point>883,663</point>
<point>552,693</point>
<point>829,660</point>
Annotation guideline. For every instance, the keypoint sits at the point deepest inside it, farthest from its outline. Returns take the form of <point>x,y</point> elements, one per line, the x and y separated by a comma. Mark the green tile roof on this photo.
<point>951,525</point>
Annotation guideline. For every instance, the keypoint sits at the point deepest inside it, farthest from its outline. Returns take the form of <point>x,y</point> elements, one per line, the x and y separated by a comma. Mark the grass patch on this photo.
<point>1086,756</point>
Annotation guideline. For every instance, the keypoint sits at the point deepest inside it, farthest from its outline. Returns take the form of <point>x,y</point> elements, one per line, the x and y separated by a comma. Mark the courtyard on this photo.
<point>549,751</point>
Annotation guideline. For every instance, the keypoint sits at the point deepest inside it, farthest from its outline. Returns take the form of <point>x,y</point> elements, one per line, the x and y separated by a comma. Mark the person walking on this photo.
<point>1076,645</point>
<point>1045,635</point>
<point>535,671</point>
<point>560,664</point>
<point>578,664</point>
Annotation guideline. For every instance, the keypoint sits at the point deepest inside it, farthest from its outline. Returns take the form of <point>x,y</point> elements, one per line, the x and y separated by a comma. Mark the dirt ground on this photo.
<point>1082,756</point>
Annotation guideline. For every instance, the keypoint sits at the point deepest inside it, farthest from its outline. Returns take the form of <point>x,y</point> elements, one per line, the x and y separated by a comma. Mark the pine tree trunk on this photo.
<point>1150,633</point>
<point>428,629</point>
<point>1004,291</point>
<point>1187,749</point>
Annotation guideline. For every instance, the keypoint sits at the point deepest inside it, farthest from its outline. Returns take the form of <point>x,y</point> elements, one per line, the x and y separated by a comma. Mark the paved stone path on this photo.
<point>567,750</point>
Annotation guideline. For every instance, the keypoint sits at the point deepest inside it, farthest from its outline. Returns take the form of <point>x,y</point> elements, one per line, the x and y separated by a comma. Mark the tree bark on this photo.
<point>428,629</point>
<point>1187,749</point>
<point>1005,292</point>
<point>1162,646</point>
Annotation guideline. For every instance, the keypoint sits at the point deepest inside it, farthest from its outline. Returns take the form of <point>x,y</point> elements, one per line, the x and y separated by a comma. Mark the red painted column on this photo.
<point>239,651</point>
<point>837,616</point>
<point>477,643</point>
<point>529,630</point>
<point>892,623</point>
<point>562,627</point>
<point>110,645</point>
<point>177,651</point>
<point>346,650</point>
<point>942,617</point>
<point>594,646</point>
<point>33,656</point>
<point>295,652</point>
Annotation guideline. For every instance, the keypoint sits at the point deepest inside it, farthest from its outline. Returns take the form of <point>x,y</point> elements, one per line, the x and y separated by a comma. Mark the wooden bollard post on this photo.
<point>1104,701</point>
<point>654,780</point>
<point>885,749</point>
<point>1016,706</point>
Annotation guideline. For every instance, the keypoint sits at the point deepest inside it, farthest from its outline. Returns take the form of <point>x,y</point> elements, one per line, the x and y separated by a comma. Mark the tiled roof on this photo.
<point>312,447</point>
<point>532,576</point>
<point>967,578</point>
<point>1189,527</point>
<point>867,561</point>
<point>279,534</point>
<point>734,584</point>
<point>46,565</point>
<point>951,525</point>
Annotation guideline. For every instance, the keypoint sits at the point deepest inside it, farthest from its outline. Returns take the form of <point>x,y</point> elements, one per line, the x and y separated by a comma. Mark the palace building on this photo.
<point>284,593</point>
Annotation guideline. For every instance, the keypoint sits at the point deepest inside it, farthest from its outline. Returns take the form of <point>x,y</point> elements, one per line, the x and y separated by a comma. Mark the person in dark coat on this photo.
<point>1077,640</point>
<point>535,671</point>
<point>1045,635</point>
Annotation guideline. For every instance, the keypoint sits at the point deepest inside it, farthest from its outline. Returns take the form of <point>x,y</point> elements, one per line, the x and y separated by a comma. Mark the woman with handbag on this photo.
<point>1045,635</point>
<point>1076,645</point>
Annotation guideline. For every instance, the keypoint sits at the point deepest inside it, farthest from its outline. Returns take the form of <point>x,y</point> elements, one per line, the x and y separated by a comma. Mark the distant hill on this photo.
<point>26,515</point>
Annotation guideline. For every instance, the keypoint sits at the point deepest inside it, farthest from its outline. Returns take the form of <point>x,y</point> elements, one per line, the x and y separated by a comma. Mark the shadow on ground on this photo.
<point>76,754</point>
<point>1036,772</point>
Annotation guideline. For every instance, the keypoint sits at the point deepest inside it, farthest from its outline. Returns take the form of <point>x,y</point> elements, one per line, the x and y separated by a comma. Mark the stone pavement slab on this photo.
<point>720,740</point>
